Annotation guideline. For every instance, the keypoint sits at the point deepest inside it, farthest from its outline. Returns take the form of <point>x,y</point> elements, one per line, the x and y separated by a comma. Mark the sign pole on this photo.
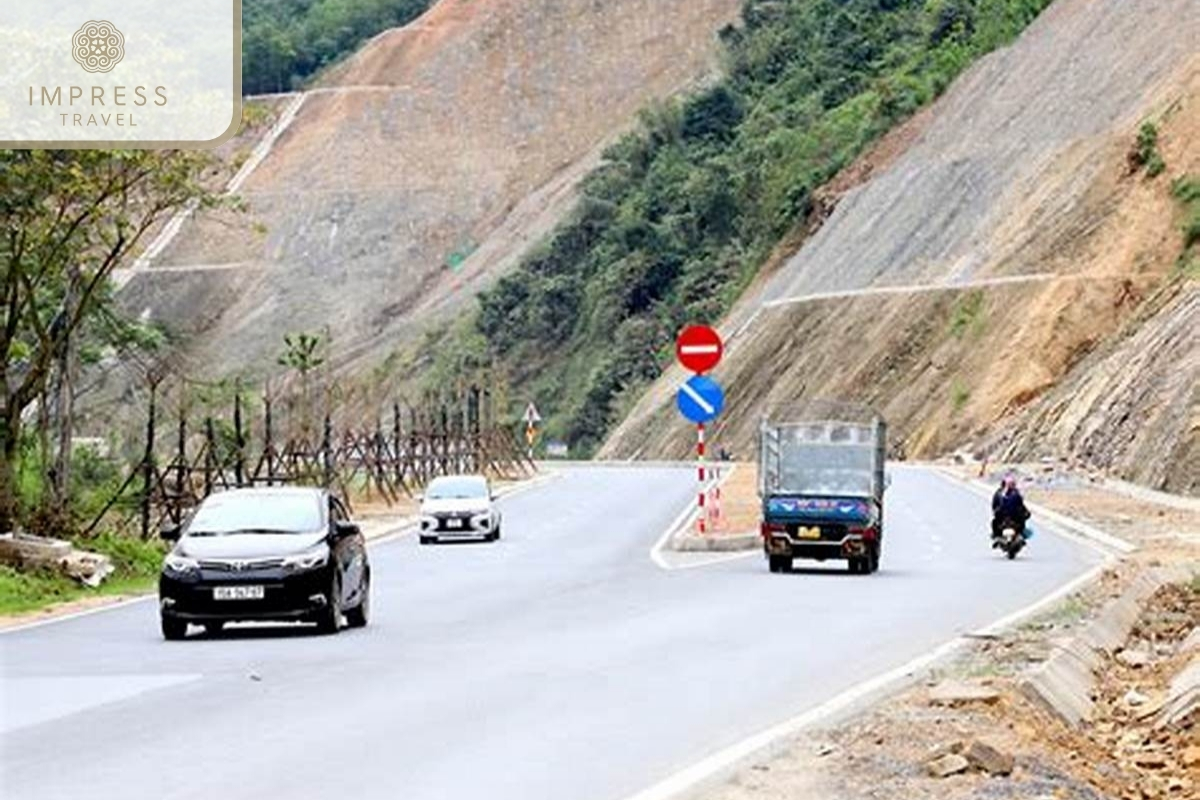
<point>700,466</point>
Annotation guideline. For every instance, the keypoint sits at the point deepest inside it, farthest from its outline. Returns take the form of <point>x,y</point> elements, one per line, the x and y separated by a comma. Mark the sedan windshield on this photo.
<point>457,488</point>
<point>257,512</point>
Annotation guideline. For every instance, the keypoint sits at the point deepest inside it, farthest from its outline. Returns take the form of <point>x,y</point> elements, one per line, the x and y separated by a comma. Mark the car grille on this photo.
<point>240,565</point>
<point>443,521</point>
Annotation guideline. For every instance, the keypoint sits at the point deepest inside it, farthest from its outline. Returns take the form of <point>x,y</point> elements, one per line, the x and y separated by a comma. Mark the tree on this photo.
<point>67,220</point>
<point>301,354</point>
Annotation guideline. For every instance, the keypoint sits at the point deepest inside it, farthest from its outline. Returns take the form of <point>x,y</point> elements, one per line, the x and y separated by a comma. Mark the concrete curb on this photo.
<point>1065,683</point>
<point>716,544</point>
<point>682,541</point>
<point>1183,696</point>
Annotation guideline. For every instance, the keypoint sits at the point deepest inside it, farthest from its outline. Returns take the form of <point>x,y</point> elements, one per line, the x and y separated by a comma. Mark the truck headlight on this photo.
<point>312,558</point>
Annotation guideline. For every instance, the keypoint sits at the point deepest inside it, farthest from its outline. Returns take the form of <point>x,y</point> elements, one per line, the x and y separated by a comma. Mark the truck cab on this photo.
<point>821,481</point>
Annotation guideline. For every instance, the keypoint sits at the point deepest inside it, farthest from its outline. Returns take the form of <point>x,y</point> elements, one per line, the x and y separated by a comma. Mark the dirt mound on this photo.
<point>1019,170</point>
<point>420,168</point>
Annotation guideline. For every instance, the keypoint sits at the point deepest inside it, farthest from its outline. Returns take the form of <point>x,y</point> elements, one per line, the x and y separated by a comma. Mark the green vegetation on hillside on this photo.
<point>286,41</point>
<point>1186,190</point>
<point>679,216</point>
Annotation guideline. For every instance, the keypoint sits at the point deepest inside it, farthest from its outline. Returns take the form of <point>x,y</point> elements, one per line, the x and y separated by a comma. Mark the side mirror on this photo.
<point>170,532</point>
<point>345,528</point>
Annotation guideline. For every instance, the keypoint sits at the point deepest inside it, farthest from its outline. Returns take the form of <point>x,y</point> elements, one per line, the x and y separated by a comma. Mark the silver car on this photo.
<point>459,507</point>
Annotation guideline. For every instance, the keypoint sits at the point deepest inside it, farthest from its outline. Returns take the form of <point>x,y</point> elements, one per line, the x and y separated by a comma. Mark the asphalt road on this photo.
<point>561,663</point>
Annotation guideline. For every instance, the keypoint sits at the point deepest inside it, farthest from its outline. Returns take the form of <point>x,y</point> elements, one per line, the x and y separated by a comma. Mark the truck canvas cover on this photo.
<point>827,458</point>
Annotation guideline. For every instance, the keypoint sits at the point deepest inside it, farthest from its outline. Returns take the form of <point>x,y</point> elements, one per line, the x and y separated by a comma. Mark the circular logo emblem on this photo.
<point>98,46</point>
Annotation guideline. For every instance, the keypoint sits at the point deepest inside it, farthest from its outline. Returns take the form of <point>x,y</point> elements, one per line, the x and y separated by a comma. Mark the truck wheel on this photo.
<point>780,563</point>
<point>873,559</point>
<point>857,566</point>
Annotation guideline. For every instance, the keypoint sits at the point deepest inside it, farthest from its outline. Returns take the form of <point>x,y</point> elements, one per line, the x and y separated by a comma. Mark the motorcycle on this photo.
<point>1012,537</point>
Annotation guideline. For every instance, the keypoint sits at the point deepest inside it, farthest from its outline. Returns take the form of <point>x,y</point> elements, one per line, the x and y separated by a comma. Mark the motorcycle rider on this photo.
<point>1008,504</point>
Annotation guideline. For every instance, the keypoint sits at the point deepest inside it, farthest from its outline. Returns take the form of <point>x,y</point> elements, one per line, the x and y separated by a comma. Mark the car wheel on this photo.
<point>358,616</point>
<point>214,628</point>
<point>173,629</point>
<point>330,616</point>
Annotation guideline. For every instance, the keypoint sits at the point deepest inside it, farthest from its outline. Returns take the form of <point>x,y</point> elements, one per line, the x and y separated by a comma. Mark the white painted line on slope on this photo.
<point>730,757</point>
<point>872,291</point>
<point>167,235</point>
<point>265,145</point>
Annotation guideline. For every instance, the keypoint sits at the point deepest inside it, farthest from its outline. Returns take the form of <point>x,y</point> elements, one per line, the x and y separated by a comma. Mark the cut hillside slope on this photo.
<point>418,169</point>
<point>1021,168</point>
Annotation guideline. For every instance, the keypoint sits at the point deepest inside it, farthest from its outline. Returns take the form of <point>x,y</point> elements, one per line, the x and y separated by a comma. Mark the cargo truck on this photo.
<point>821,480</point>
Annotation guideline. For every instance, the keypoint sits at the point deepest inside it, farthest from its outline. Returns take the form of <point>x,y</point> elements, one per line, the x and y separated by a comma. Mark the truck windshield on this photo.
<point>824,459</point>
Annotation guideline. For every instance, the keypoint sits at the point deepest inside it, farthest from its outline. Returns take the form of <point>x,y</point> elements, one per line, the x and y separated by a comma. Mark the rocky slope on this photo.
<point>418,170</point>
<point>1019,170</point>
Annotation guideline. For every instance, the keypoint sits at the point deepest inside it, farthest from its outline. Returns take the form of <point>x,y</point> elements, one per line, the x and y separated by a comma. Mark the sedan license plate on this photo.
<point>454,523</point>
<point>808,533</point>
<point>238,593</point>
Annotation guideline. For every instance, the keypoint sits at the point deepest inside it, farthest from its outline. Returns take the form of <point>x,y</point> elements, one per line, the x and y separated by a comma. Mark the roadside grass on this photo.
<point>136,567</point>
<point>1067,613</point>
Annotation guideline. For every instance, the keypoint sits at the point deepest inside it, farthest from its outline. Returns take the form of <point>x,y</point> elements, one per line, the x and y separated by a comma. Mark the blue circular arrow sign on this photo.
<point>700,399</point>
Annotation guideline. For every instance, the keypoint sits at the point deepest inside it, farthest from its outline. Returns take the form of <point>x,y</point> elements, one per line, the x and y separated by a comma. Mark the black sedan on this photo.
<point>265,554</point>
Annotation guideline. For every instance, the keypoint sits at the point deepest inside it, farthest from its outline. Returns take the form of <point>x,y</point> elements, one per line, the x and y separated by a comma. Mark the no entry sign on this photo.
<point>698,348</point>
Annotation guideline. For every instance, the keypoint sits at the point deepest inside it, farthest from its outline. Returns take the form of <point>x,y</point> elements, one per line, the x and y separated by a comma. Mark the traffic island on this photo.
<point>732,513</point>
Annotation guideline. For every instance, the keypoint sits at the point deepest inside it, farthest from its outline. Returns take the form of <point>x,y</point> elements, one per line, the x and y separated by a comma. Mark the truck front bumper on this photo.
<point>849,546</point>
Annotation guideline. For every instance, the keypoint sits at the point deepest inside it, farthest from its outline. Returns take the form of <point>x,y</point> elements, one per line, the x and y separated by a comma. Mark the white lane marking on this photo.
<point>87,612</point>
<point>1065,526</point>
<point>695,559</point>
<point>730,757</point>
<point>697,399</point>
<point>406,526</point>
<point>682,519</point>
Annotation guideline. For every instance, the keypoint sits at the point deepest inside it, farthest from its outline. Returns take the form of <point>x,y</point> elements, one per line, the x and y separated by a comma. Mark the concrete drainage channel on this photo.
<point>1066,683</point>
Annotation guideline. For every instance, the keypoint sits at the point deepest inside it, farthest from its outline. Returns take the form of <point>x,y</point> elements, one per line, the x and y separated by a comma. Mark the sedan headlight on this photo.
<point>312,558</point>
<point>180,565</point>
